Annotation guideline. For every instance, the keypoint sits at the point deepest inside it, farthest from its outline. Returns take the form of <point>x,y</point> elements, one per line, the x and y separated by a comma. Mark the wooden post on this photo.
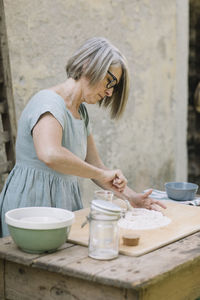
<point>2,283</point>
<point>8,124</point>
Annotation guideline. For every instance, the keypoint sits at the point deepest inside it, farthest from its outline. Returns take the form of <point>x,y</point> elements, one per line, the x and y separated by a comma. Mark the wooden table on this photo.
<point>171,273</point>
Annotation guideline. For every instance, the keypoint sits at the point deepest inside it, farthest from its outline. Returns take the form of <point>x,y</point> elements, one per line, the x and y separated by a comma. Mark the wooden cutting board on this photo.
<point>185,220</point>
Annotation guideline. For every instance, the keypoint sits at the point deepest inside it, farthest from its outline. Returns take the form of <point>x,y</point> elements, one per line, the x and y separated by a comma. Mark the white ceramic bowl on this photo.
<point>39,229</point>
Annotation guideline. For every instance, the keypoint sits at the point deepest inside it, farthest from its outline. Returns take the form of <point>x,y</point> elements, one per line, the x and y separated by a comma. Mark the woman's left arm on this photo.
<point>135,199</point>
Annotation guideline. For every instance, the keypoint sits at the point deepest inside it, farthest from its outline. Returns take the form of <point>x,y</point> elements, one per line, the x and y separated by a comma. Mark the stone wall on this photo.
<point>148,143</point>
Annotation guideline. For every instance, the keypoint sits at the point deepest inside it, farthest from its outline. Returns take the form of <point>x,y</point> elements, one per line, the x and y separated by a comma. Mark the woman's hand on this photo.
<point>144,201</point>
<point>112,180</point>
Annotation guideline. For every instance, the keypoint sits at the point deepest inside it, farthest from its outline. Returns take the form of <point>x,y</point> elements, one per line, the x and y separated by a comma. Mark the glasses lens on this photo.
<point>111,84</point>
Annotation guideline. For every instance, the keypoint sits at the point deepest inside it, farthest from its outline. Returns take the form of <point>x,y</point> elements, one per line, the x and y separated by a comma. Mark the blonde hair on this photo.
<point>92,60</point>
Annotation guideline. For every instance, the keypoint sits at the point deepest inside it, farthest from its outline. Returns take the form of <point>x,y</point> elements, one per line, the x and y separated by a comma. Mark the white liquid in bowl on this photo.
<point>39,219</point>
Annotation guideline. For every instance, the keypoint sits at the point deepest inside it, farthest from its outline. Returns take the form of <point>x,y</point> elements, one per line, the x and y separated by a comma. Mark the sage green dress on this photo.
<point>31,182</point>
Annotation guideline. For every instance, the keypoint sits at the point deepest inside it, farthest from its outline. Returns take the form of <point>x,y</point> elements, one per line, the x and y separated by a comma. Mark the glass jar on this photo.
<point>104,231</point>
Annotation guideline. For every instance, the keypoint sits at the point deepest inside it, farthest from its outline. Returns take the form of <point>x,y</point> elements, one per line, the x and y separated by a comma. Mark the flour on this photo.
<point>141,219</point>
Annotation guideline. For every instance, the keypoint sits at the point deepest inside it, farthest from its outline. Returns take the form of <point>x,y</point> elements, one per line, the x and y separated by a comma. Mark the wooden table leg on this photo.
<point>2,284</point>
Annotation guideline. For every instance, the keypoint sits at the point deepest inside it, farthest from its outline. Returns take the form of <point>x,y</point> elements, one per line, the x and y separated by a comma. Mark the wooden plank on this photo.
<point>10,252</point>
<point>5,137</point>
<point>185,221</point>
<point>160,273</point>
<point>154,267</point>
<point>125,271</point>
<point>90,269</point>
<point>25,283</point>
<point>3,107</point>
<point>7,70</point>
<point>182,284</point>
<point>75,262</point>
<point>7,108</point>
<point>56,262</point>
<point>2,294</point>
<point>9,118</point>
<point>2,180</point>
<point>5,167</point>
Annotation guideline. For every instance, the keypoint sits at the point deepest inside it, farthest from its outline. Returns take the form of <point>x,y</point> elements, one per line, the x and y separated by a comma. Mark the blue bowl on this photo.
<point>182,191</point>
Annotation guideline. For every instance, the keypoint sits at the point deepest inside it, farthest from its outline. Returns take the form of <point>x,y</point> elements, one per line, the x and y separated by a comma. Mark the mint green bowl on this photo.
<point>39,229</point>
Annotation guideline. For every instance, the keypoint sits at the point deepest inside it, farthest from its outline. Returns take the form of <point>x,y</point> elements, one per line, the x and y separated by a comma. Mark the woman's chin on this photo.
<point>92,101</point>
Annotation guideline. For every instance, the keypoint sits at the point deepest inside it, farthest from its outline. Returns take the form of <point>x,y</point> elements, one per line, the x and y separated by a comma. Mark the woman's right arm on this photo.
<point>47,138</point>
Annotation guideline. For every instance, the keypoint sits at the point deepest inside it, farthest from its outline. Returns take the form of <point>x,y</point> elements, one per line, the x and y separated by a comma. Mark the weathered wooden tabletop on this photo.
<point>172,272</point>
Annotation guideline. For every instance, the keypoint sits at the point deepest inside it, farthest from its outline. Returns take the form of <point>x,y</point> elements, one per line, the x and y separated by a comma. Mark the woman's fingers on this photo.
<point>119,187</point>
<point>120,181</point>
<point>120,178</point>
<point>155,207</point>
<point>113,179</point>
<point>154,204</point>
<point>159,203</point>
<point>145,201</point>
<point>146,194</point>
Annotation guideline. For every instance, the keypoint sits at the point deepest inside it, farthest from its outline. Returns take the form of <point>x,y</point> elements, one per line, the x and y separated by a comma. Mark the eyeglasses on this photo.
<point>113,83</point>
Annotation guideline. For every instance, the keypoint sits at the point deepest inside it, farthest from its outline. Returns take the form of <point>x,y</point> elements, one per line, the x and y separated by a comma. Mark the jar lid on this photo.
<point>106,207</point>
<point>103,217</point>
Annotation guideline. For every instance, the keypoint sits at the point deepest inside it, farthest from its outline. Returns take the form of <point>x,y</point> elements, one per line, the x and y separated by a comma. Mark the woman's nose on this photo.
<point>109,92</point>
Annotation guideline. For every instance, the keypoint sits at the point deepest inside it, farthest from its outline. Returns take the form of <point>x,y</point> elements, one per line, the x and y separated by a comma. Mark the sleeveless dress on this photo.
<point>31,182</point>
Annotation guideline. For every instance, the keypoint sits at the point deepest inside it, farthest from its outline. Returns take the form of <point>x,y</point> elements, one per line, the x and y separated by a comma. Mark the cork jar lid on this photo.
<point>130,239</point>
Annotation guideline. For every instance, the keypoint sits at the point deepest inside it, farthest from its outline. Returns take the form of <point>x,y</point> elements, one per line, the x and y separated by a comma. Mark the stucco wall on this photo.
<point>148,144</point>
